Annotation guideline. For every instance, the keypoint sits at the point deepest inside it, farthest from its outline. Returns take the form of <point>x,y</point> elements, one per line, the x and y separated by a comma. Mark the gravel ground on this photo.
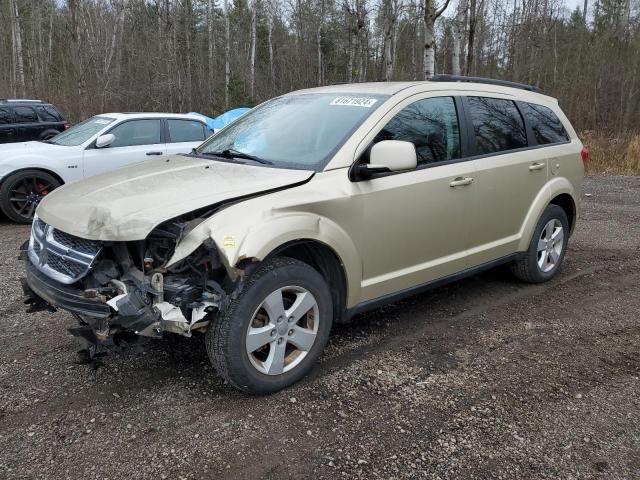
<point>485,378</point>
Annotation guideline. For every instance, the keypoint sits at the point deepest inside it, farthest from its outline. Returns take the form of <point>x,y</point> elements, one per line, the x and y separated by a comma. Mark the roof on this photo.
<point>132,115</point>
<point>393,88</point>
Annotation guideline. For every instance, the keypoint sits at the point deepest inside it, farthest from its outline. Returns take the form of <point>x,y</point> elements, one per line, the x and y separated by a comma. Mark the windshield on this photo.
<point>294,131</point>
<point>80,133</point>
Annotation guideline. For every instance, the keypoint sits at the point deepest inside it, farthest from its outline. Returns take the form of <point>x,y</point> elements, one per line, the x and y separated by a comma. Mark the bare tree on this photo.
<point>16,42</point>
<point>431,14</point>
<point>459,27</point>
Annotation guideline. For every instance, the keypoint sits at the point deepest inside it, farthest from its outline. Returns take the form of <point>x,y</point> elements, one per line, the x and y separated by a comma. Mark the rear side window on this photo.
<point>6,116</point>
<point>25,115</point>
<point>547,127</point>
<point>431,125</point>
<point>186,131</point>
<point>46,115</point>
<point>497,124</point>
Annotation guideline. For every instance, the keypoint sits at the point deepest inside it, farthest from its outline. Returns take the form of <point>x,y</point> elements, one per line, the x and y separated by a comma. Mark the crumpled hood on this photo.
<point>127,204</point>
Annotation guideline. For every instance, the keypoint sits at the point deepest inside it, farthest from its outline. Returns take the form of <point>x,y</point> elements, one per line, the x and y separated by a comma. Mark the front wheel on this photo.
<point>273,329</point>
<point>546,250</point>
<point>21,193</point>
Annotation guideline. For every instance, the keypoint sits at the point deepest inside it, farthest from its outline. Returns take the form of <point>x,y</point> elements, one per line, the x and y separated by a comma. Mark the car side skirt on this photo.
<point>425,287</point>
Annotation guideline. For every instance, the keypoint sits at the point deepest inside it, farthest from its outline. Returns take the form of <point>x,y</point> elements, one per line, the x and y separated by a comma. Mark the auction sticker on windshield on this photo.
<point>354,101</point>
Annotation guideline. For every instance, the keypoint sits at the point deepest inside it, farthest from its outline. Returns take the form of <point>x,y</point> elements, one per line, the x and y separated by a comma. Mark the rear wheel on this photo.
<point>547,248</point>
<point>21,193</point>
<point>274,328</point>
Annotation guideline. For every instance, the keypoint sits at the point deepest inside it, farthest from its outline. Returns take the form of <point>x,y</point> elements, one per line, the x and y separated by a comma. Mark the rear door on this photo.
<point>8,131</point>
<point>510,173</point>
<point>184,135</point>
<point>136,141</point>
<point>49,119</point>
<point>28,124</point>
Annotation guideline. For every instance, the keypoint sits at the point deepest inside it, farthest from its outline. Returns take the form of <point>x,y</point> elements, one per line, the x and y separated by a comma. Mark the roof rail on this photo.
<point>490,81</point>
<point>19,100</point>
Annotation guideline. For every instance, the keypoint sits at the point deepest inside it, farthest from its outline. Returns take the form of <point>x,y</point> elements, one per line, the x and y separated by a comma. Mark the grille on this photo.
<point>59,255</point>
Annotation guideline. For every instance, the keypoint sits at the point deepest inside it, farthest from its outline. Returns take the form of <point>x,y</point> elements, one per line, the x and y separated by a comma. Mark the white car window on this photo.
<point>186,131</point>
<point>80,133</point>
<point>136,132</point>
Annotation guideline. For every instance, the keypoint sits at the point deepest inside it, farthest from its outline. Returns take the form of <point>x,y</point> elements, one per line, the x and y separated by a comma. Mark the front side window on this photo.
<point>80,133</point>
<point>136,132</point>
<point>186,131</point>
<point>431,125</point>
<point>6,117</point>
<point>547,127</point>
<point>295,131</point>
<point>25,115</point>
<point>497,124</point>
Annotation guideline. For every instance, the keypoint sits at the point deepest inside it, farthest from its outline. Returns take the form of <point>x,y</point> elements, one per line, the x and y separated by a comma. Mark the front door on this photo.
<point>135,142</point>
<point>416,223</point>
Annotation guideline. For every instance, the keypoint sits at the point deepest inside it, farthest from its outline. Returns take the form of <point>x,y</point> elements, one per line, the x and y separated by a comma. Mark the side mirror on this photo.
<point>105,140</point>
<point>389,156</point>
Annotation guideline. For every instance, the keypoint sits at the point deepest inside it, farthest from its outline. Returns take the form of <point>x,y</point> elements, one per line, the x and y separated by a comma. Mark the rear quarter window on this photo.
<point>547,127</point>
<point>47,115</point>
<point>497,124</point>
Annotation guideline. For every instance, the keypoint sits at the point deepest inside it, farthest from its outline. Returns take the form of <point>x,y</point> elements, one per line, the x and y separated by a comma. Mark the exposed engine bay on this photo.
<point>123,288</point>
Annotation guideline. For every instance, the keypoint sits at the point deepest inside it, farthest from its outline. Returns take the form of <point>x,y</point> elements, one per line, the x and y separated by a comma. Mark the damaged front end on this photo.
<point>116,289</point>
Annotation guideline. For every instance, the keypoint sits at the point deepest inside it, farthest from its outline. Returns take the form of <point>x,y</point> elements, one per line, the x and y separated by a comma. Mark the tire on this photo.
<point>541,262</point>
<point>49,134</point>
<point>244,316</point>
<point>21,193</point>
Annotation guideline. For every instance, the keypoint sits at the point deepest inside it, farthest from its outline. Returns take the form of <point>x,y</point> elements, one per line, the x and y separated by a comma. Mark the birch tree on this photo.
<point>431,13</point>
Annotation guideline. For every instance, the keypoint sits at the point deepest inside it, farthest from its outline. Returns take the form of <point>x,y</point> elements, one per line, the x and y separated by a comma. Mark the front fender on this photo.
<point>553,188</point>
<point>255,238</point>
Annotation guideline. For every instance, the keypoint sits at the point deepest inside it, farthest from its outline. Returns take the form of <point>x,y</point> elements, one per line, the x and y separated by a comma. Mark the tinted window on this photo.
<point>186,131</point>
<point>136,132</point>
<point>546,126</point>
<point>25,115</point>
<point>45,115</point>
<point>5,116</point>
<point>54,112</point>
<point>498,125</point>
<point>431,125</point>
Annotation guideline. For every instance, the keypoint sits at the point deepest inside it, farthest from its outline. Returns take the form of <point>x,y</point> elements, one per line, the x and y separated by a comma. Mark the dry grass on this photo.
<point>612,155</point>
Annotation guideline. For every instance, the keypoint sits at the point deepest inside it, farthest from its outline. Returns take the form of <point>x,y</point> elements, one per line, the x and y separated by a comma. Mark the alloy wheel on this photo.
<point>282,330</point>
<point>550,245</point>
<point>26,194</point>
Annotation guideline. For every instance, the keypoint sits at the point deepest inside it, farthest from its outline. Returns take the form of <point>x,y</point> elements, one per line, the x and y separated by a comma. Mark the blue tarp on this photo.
<point>223,120</point>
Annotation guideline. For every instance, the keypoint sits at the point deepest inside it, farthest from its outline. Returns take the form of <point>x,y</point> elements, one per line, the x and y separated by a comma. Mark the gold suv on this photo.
<point>309,209</point>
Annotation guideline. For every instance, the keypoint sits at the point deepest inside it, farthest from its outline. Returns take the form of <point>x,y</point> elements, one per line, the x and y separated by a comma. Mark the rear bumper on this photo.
<point>39,288</point>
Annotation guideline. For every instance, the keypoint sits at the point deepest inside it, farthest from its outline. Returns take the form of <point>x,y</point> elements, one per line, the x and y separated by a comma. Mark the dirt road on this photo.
<point>486,378</point>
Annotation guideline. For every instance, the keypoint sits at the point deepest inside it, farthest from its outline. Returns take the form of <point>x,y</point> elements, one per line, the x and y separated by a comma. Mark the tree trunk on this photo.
<point>272,77</point>
<point>472,34</point>
<point>458,32</point>
<point>252,61</point>
<point>211,51</point>
<point>17,48</point>
<point>227,49</point>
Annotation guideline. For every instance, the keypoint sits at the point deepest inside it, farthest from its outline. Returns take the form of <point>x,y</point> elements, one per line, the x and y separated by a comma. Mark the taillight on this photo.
<point>66,125</point>
<point>584,154</point>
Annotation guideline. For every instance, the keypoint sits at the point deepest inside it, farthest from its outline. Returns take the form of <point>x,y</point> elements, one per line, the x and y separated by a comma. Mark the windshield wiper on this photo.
<point>231,153</point>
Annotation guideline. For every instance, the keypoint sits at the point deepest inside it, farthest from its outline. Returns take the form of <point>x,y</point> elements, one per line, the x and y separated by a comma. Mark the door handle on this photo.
<point>154,153</point>
<point>461,182</point>
<point>536,166</point>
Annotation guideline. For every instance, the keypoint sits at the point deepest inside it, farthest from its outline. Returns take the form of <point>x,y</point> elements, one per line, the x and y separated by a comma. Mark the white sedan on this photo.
<point>30,170</point>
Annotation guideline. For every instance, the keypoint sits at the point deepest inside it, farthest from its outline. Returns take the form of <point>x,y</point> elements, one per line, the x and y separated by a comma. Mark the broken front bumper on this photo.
<point>41,290</point>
